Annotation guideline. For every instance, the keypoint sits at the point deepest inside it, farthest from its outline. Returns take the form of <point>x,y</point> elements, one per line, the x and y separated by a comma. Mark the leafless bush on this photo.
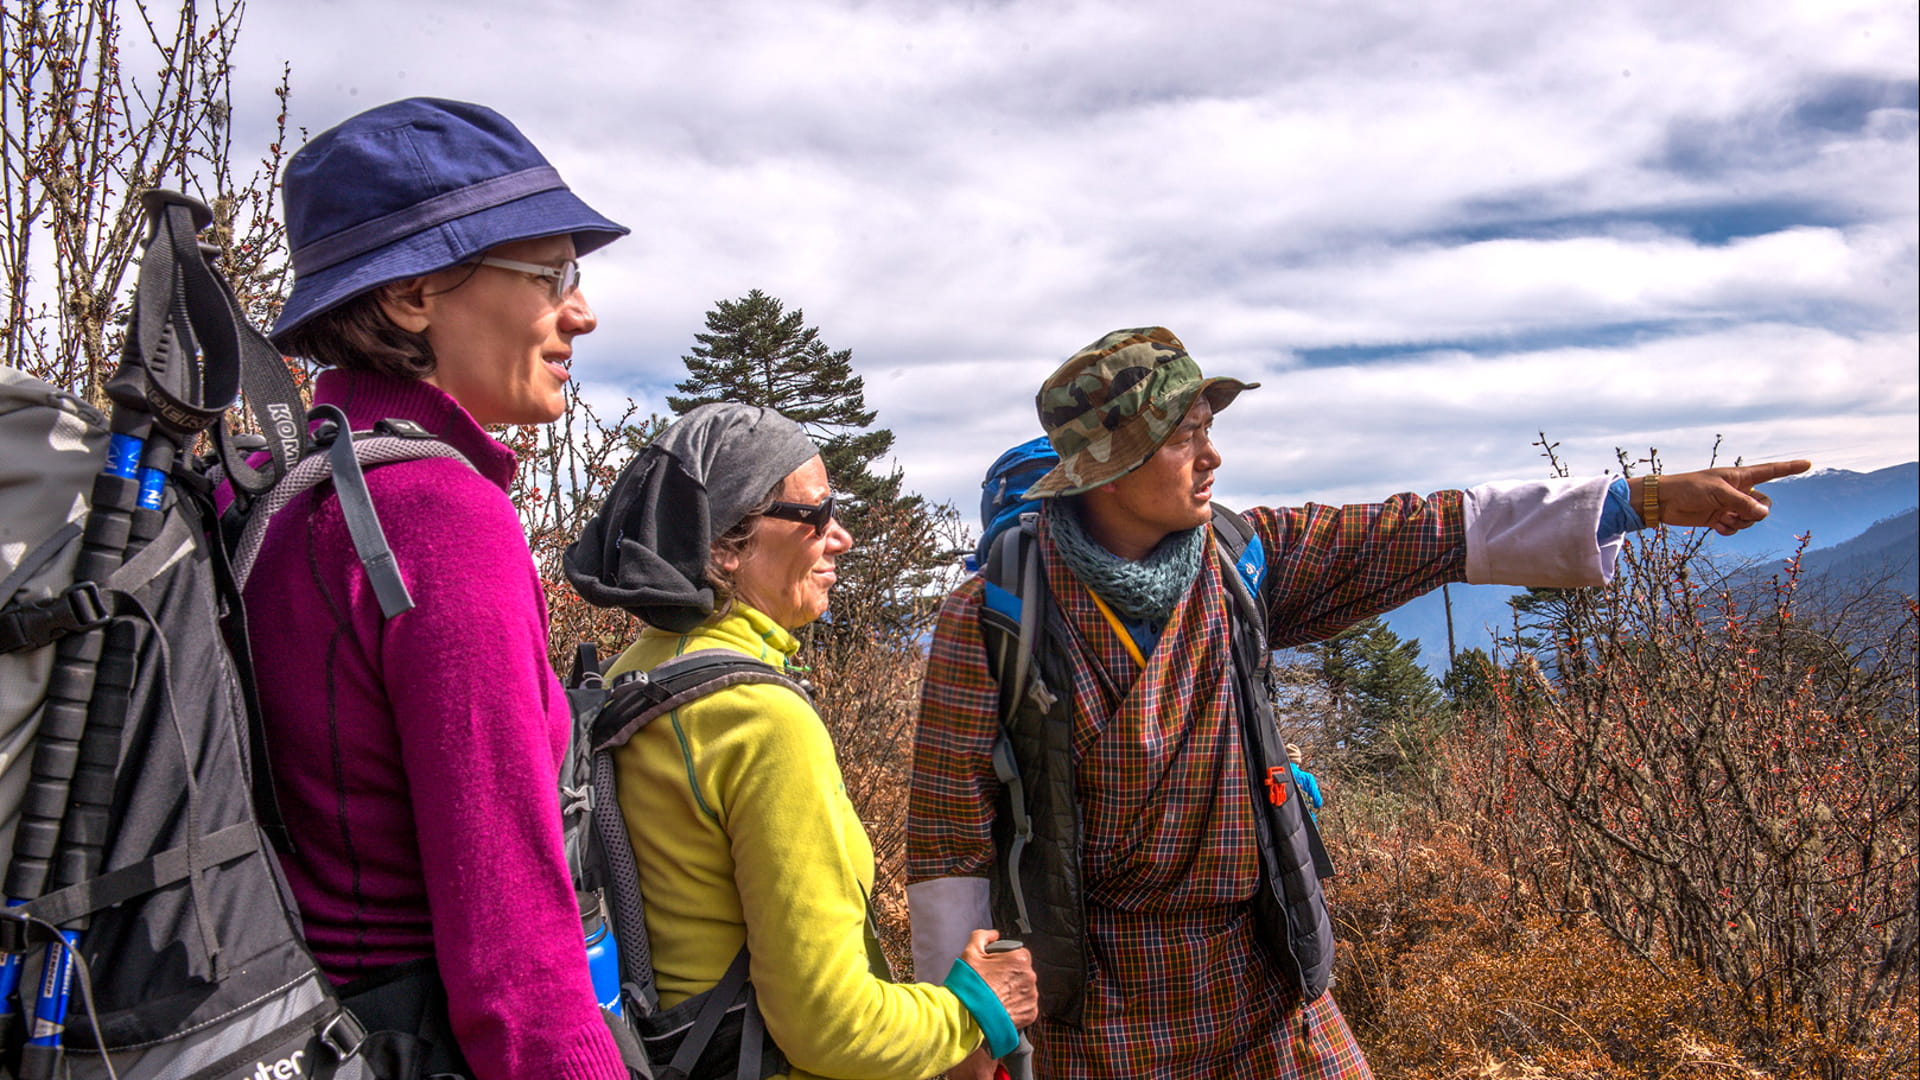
<point>86,131</point>
<point>1722,773</point>
<point>1445,974</point>
<point>566,470</point>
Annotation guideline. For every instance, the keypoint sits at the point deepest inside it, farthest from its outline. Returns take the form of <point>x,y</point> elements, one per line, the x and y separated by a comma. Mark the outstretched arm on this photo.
<point>1723,500</point>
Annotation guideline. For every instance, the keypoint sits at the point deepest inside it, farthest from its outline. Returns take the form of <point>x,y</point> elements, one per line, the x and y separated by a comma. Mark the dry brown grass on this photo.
<point>1447,972</point>
<point>868,699</point>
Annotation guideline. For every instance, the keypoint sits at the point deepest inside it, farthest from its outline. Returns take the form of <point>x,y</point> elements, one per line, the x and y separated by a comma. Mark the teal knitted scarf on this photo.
<point>1144,590</point>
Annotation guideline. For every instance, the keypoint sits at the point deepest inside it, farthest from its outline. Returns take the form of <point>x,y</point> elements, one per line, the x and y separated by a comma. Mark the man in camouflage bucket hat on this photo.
<point>1113,403</point>
<point>1189,971</point>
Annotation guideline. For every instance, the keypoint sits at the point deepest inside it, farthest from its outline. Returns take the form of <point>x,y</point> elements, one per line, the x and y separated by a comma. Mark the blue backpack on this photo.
<point>1003,494</point>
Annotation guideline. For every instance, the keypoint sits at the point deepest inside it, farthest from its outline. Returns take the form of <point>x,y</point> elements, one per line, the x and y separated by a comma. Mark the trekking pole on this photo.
<point>161,396</point>
<point>1017,1065</point>
<point>77,659</point>
<point>83,829</point>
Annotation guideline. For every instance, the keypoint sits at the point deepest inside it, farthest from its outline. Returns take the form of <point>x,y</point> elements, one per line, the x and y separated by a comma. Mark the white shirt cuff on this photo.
<point>1538,533</point>
<point>944,912</point>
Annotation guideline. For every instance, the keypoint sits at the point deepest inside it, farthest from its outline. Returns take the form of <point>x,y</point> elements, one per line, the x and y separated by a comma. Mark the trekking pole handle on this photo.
<point>154,201</point>
<point>1017,1065</point>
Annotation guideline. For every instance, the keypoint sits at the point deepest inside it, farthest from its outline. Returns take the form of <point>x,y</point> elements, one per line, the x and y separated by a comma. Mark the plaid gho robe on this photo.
<point>1179,986</point>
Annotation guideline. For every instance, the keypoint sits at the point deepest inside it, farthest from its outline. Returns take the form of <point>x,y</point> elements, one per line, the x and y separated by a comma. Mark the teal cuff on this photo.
<point>972,990</point>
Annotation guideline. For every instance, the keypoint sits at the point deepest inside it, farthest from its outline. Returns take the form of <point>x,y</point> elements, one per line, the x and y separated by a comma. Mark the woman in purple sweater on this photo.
<point>416,757</point>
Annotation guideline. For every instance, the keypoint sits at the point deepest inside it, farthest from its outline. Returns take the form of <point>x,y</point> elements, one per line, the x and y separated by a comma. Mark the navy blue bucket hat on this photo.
<point>414,187</point>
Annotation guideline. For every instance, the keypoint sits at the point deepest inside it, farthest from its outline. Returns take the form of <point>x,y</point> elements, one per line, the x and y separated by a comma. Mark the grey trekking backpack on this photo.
<point>147,932</point>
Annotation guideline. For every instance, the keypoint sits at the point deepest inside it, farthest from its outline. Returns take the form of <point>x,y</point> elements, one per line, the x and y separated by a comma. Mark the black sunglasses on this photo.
<point>819,515</point>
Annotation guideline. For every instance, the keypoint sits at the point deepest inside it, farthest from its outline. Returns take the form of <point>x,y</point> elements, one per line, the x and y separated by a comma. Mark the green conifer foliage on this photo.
<point>1383,699</point>
<point>758,352</point>
<point>1469,682</point>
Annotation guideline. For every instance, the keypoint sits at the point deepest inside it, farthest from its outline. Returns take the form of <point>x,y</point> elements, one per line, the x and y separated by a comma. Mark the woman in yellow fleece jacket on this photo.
<point>721,536</point>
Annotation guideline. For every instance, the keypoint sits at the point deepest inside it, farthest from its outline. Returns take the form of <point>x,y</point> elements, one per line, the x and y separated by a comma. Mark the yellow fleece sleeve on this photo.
<point>803,866</point>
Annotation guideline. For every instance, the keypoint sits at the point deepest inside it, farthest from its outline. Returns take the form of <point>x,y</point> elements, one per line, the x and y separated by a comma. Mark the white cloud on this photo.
<point>1361,431</point>
<point>1404,293</point>
<point>1534,201</point>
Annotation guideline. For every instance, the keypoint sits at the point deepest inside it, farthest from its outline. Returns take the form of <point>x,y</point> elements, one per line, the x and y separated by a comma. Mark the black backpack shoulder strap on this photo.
<point>636,698</point>
<point>1013,620</point>
<point>1013,613</point>
<point>1240,549</point>
<point>1240,545</point>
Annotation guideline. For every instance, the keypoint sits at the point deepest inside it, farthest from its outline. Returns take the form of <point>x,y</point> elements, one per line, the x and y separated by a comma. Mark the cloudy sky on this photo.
<point>1431,230</point>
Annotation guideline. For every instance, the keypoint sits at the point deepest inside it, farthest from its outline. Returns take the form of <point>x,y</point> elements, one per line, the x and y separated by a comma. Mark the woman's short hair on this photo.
<point>736,541</point>
<point>358,336</point>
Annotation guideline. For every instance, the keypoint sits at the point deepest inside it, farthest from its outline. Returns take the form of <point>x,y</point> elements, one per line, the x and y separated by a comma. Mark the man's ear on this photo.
<point>405,304</point>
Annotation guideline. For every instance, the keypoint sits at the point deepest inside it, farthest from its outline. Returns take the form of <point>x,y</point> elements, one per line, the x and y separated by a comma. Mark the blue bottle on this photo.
<point>603,957</point>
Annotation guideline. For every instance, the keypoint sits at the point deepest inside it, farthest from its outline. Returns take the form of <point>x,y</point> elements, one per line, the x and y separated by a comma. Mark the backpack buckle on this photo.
<point>31,626</point>
<point>396,427</point>
<point>1041,694</point>
<point>1277,784</point>
<point>89,610</point>
<point>344,1034</point>
<point>325,432</point>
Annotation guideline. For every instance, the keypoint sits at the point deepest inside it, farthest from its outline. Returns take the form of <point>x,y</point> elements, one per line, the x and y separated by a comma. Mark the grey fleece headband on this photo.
<point>738,453</point>
<point>646,549</point>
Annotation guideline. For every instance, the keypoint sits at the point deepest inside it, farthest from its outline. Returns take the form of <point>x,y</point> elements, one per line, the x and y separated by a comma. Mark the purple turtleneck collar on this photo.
<point>368,398</point>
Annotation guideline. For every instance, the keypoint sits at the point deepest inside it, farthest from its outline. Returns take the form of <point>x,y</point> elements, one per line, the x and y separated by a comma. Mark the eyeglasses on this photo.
<point>565,277</point>
<point>819,515</point>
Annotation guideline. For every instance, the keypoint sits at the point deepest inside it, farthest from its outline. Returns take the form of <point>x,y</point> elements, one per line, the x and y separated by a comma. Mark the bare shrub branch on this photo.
<point>86,131</point>
<point>1719,767</point>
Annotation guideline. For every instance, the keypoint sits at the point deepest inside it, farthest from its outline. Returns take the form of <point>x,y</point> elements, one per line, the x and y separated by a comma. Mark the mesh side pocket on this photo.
<point>623,891</point>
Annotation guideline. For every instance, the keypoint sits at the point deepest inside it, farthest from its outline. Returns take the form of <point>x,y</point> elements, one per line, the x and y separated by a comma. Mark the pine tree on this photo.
<point>1469,683</point>
<point>1381,694</point>
<point>756,352</point>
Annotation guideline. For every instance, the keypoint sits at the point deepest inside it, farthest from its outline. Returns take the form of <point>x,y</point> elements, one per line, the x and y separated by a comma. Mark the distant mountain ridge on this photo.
<point>1860,525</point>
<point>1888,552</point>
